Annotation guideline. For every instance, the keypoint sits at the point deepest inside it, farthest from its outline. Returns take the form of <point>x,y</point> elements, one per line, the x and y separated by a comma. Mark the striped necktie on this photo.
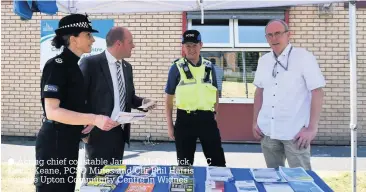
<point>121,87</point>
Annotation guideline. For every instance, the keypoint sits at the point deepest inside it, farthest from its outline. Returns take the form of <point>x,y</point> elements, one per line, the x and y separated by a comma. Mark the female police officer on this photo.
<point>62,96</point>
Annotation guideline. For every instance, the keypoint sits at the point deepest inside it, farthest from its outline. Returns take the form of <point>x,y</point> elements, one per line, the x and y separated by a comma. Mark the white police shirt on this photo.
<point>287,97</point>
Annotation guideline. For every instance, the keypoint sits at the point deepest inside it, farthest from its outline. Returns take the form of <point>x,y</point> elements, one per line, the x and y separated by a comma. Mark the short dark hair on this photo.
<point>115,34</point>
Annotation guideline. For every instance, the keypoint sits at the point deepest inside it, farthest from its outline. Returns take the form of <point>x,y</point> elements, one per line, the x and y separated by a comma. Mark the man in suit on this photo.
<point>109,90</point>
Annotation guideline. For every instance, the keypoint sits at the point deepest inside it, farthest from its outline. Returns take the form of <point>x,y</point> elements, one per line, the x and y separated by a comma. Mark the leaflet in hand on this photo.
<point>125,117</point>
<point>246,186</point>
<point>295,174</point>
<point>266,175</point>
<point>147,105</point>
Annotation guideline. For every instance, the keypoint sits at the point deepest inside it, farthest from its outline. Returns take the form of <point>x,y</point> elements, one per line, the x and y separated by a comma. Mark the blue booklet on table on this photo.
<point>295,174</point>
<point>300,186</point>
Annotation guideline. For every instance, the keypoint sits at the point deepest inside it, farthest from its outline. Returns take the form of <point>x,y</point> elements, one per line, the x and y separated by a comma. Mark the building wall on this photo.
<point>327,36</point>
<point>157,39</point>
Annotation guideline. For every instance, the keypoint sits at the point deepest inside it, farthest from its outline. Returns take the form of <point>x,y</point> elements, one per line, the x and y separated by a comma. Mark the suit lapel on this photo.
<point>106,72</point>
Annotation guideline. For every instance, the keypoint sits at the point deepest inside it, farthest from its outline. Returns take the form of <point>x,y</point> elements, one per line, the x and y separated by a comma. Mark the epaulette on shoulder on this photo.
<point>207,63</point>
<point>59,60</point>
<point>177,61</point>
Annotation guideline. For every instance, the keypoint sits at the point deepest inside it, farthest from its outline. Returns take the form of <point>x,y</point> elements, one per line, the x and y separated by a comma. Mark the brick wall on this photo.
<point>157,39</point>
<point>327,36</point>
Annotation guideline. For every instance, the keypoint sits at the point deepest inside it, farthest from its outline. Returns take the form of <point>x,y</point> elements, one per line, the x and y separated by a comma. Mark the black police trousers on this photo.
<point>198,124</point>
<point>57,150</point>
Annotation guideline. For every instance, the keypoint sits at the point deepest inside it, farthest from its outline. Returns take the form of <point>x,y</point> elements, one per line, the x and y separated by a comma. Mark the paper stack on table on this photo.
<point>266,175</point>
<point>277,187</point>
<point>219,173</point>
<point>305,186</point>
<point>182,178</point>
<point>214,186</point>
<point>295,174</point>
<point>246,186</point>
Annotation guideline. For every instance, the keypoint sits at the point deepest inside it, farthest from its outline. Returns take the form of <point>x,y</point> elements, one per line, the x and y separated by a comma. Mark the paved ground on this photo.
<point>324,158</point>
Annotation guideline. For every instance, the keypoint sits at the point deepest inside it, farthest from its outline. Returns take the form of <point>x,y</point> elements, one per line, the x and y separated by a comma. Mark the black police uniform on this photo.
<point>57,145</point>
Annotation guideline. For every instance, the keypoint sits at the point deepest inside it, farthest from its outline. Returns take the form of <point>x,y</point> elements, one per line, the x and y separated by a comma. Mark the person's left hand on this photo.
<point>145,101</point>
<point>304,137</point>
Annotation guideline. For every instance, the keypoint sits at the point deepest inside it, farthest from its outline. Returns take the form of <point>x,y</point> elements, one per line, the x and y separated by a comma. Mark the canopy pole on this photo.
<point>353,89</point>
<point>71,7</point>
<point>202,13</point>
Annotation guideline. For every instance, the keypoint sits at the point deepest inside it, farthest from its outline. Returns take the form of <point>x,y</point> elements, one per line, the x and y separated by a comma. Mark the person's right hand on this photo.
<point>171,132</point>
<point>104,123</point>
<point>257,132</point>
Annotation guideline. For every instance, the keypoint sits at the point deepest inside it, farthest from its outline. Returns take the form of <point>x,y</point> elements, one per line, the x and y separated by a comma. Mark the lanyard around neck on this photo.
<point>287,63</point>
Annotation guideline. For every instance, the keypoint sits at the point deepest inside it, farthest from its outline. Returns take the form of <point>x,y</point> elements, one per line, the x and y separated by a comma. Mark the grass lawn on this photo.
<point>341,181</point>
<point>20,178</point>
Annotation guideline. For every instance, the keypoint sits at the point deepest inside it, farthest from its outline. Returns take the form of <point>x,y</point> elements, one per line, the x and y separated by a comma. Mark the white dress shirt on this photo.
<point>113,70</point>
<point>287,97</point>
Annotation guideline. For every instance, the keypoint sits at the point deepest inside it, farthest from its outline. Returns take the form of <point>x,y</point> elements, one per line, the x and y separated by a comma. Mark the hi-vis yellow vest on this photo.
<point>195,94</point>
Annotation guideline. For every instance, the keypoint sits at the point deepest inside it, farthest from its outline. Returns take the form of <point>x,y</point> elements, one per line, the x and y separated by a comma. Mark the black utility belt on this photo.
<point>194,111</point>
<point>50,121</point>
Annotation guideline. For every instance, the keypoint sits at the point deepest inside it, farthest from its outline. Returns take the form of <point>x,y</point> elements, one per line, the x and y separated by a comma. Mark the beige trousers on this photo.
<point>277,151</point>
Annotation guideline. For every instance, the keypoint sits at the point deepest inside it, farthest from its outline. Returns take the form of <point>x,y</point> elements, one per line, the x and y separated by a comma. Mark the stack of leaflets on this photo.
<point>181,178</point>
<point>99,183</point>
<point>106,180</point>
<point>246,186</point>
<point>140,187</point>
<point>295,174</point>
<point>277,187</point>
<point>182,184</point>
<point>214,186</point>
<point>299,186</point>
<point>266,175</point>
<point>219,173</point>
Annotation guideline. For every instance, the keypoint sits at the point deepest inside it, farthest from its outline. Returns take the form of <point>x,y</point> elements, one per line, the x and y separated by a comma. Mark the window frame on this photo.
<point>237,100</point>
<point>231,36</point>
<point>236,38</point>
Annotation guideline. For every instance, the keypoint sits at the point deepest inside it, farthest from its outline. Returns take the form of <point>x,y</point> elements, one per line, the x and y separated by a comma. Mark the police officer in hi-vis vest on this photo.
<point>192,80</point>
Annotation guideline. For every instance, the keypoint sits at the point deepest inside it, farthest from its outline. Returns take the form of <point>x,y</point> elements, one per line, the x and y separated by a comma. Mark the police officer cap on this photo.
<point>74,23</point>
<point>192,36</point>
